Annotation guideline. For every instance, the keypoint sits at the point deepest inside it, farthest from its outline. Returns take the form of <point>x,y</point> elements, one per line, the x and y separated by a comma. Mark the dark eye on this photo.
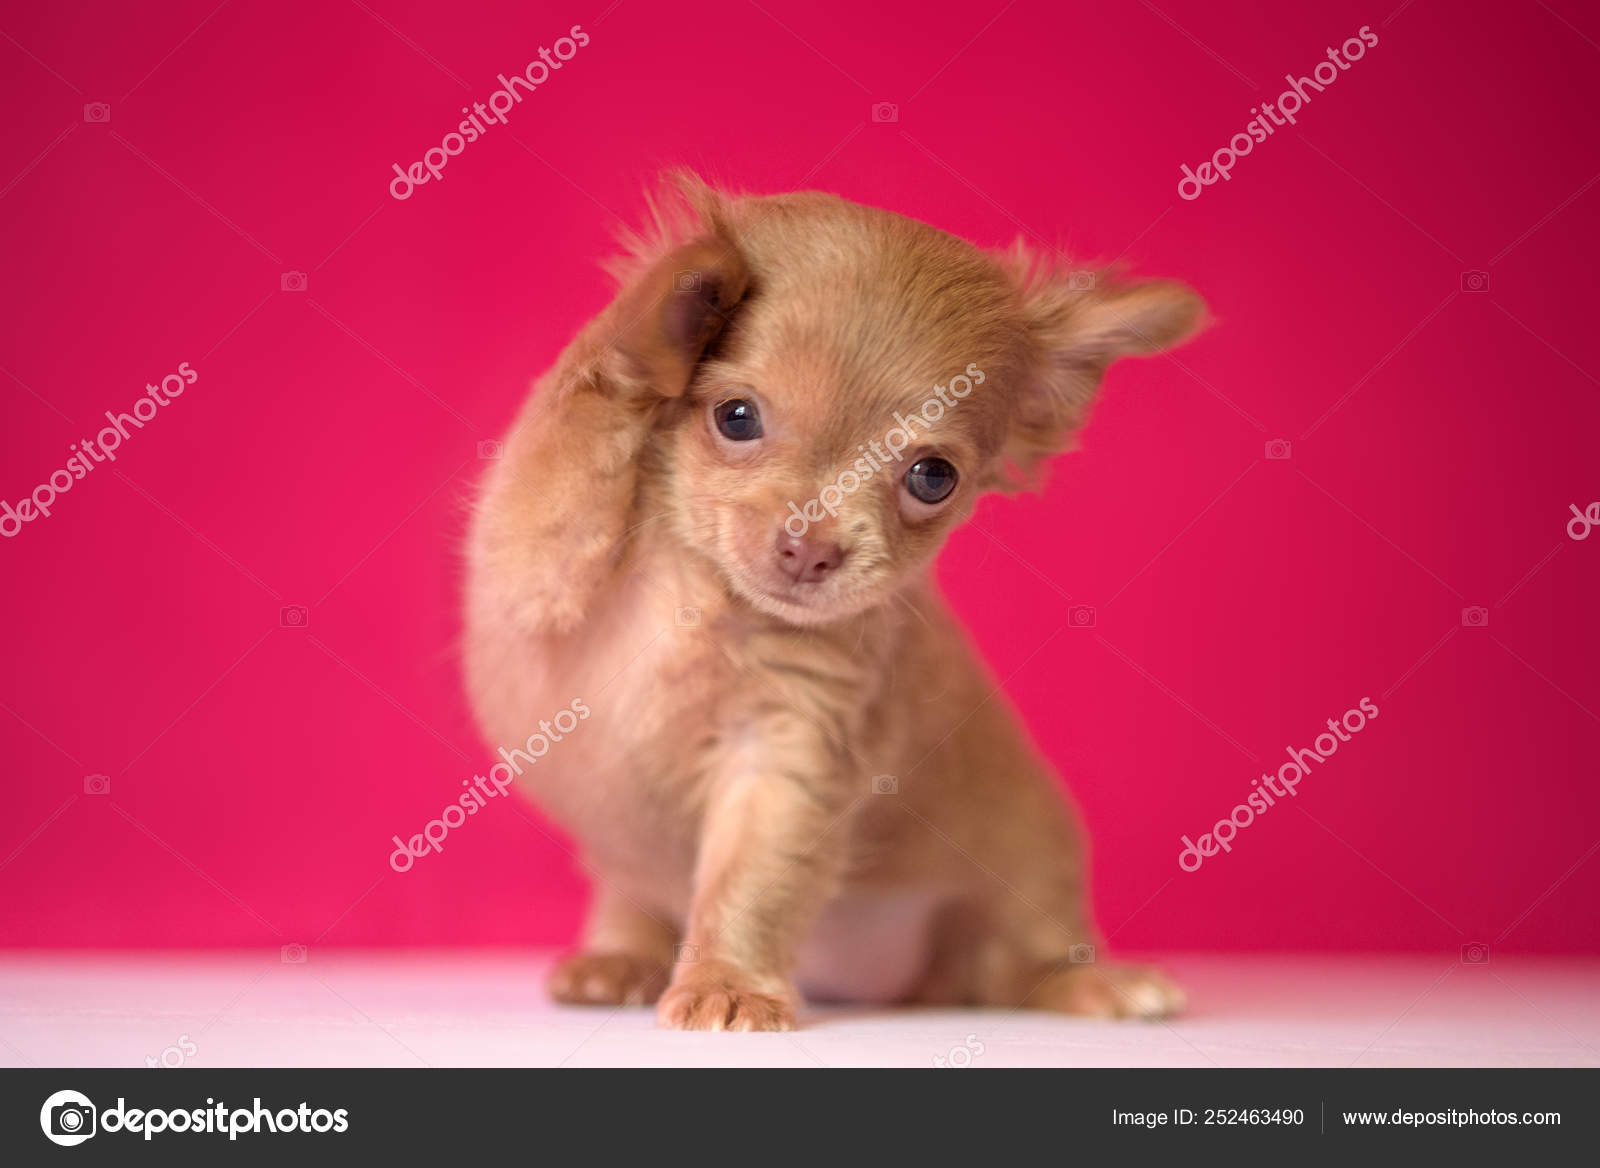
<point>931,480</point>
<point>739,420</point>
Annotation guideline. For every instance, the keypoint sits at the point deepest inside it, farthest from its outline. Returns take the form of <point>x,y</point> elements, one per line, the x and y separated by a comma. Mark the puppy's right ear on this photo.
<point>668,314</point>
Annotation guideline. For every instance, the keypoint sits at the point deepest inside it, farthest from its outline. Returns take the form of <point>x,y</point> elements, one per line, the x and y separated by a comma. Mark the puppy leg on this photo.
<point>558,503</point>
<point>1039,947</point>
<point>1043,964</point>
<point>769,858</point>
<point>957,935</point>
<point>624,959</point>
<point>1114,989</point>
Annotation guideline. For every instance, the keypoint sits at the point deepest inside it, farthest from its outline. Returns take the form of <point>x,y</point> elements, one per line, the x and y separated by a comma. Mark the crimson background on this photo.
<point>1437,437</point>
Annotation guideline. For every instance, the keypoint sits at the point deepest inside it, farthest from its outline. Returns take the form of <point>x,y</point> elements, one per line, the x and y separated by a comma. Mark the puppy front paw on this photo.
<point>607,979</point>
<point>1110,990</point>
<point>718,996</point>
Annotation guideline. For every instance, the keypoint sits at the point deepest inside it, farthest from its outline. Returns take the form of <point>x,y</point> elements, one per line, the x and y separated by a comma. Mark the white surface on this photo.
<point>488,1009</point>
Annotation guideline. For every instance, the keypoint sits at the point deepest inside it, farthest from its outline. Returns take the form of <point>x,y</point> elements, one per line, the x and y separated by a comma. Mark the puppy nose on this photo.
<point>805,559</point>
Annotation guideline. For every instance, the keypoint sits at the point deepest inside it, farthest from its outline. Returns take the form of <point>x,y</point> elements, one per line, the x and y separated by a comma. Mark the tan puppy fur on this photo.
<point>818,783</point>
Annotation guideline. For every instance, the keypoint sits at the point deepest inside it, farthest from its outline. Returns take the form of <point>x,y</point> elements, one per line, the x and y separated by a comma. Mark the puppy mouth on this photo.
<point>799,604</point>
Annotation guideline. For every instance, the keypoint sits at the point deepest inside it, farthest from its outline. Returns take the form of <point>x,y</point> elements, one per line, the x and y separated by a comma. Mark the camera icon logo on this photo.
<point>97,112</point>
<point>68,1118</point>
<point>1475,953</point>
<point>294,616</point>
<point>1081,616</point>
<point>686,954</point>
<point>686,618</point>
<point>292,954</point>
<point>885,112</point>
<point>1081,954</point>
<point>1476,617</point>
<point>1474,281</point>
<point>1081,281</point>
<point>97,784</point>
<point>1278,448</point>
<point>686,281</point>
<point>491,448</point>
<point>885,785</point>
<point>293,281</point>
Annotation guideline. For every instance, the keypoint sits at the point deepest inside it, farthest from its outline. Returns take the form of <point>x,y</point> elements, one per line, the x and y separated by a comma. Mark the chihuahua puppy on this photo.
<point>712,530</point>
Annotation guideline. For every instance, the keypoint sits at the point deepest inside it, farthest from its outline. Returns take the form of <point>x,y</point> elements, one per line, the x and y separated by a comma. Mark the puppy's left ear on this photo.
<point>1073,334</point>
<point>667,316</point>
<point>682,276</point>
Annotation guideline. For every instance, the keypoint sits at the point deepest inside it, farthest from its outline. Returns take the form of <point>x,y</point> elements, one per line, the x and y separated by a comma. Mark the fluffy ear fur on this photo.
<point>1076,324</point>
<point>670,313</point>
<point>682,278</point>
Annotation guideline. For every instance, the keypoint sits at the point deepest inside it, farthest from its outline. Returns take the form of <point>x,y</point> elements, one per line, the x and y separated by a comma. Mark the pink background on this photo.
<point>327,452</point>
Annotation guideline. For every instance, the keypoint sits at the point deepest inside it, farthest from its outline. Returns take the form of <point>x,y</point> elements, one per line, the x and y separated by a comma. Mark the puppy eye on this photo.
<point>930,480</point>
<point>738,420</point>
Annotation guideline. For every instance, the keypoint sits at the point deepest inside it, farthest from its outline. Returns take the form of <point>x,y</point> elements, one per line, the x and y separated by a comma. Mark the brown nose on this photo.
<point>805,559</point>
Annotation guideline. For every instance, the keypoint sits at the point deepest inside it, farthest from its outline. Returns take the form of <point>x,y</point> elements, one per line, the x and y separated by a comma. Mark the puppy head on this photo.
<point>872,378</point>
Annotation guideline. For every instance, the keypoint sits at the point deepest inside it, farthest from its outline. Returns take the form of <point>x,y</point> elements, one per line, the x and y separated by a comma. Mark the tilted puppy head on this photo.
<point>844,383</point>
